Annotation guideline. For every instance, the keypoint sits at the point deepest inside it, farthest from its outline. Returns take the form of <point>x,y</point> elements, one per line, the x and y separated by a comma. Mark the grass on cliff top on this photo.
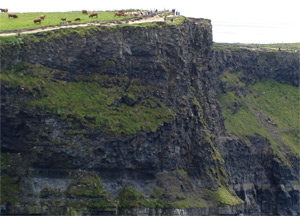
<point>287,47</point>
<point>97,103</point>
<point>269,109</point>
<point>25,20</point>
<point>83,31</point>
<point>276,46</point>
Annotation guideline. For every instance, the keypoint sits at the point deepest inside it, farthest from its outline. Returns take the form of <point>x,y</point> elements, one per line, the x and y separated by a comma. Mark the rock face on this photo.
<point>257,64</point>
<point>93,114</point>
<point>261,168</point>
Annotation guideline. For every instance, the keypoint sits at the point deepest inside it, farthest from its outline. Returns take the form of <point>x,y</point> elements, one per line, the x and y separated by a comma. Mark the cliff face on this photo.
<point>256,63</point>
<point>259,92</point>
<point>95,118</point>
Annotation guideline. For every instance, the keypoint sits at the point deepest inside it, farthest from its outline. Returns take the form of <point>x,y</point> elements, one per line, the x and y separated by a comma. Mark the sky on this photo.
<point>234,21</point>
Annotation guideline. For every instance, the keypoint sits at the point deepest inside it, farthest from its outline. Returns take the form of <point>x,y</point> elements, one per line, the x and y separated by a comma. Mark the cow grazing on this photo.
<point>77,19</point>
<point>63,19</point>
<point>37,21</point>
<point>84,12</point>
<point>69,21</point>
<point>12,15</point>
<point>42,17</point>
<point>93,14</point>
<point>119,13</point>
<point>4,10</point>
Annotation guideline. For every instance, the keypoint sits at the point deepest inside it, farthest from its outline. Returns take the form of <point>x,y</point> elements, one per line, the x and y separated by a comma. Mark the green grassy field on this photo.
<point>259,47</point>
<point>25,20</point>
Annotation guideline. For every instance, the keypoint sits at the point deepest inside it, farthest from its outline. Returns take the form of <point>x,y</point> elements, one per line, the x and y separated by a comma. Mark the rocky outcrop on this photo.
<point>131,112</point>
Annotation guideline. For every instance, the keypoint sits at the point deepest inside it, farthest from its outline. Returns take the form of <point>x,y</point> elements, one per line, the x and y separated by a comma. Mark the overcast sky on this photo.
<point>247,21</point>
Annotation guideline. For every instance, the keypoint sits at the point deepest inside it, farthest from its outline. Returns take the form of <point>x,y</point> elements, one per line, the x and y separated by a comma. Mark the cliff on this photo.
<point>130,119</point>
<point>259,95</point>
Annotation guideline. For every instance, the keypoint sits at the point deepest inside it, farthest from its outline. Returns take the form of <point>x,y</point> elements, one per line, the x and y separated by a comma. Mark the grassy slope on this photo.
<point>96,101</point>
<point>269,109</point>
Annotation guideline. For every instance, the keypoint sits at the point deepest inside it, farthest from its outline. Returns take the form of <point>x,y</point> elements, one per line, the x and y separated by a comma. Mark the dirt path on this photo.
<point>144,20</point>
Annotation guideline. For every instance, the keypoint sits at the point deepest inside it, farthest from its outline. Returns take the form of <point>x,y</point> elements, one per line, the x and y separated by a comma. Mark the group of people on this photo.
<point>175,12</point>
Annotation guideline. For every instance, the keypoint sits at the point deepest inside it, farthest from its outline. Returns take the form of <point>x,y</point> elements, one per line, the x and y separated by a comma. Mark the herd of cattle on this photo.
<point>42,17</point>
<point>92,15</point>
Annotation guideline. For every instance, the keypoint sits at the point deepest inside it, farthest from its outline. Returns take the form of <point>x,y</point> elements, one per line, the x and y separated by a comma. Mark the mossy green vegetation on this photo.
<point>71,211</point>
<point>223,197</point>
<point>267,109</point>
<point>85,186</point>
<point>216,172</point>
<point>5,161</point>
<point>57,34</point>
<point>96,104</point>
<point>9,186</point>
<point>129,197</point>
<point>193,201</point>
<point>231,81</point>
<point>87,191</point>
<point>9,189</point>
<point>8,40</point>
<point>48,193</point>
<point>174,190</point>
